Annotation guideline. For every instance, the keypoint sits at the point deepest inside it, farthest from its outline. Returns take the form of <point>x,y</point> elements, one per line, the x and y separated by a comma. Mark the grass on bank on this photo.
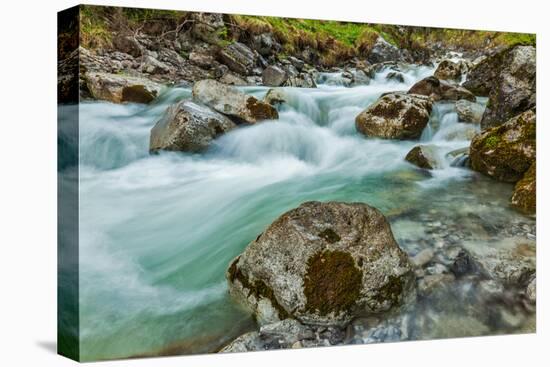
<point>334,41</point>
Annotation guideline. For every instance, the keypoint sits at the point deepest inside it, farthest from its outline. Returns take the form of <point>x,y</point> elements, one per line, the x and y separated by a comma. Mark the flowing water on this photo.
<point>157,232</point>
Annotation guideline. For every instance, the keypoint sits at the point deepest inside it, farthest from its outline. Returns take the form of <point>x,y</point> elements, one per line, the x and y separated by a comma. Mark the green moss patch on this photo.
<point>332,282</point>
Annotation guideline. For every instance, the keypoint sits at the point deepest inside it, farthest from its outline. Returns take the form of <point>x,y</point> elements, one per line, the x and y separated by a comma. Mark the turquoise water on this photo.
<point>158,232</point>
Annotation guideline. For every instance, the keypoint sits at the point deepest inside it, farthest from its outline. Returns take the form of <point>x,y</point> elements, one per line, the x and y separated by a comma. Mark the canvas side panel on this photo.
<point>67,183</point>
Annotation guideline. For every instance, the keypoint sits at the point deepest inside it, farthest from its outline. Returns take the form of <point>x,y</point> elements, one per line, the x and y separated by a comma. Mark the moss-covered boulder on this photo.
<point>323,264</point>
<point>508,78</point>
<point>507,151</point>
<point>440,90</point>
<point>424,156</point>
<point>188,127</point>
<point>232,102</point>
<point>524,197</point>
<point>395,116</point>
<point>121,88</point>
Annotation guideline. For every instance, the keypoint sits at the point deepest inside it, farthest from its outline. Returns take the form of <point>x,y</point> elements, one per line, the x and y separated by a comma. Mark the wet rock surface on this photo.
<point>508,78</point>
<point>395,116</point>
<point>469,111</point>
<point>189,127</point>
<point>232,102</point>
<point>507,151</point>
<point>424,156</point>
<point>440,90</point>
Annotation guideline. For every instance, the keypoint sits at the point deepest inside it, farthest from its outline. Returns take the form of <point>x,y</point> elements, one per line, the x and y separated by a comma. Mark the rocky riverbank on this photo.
<point>333,272</point>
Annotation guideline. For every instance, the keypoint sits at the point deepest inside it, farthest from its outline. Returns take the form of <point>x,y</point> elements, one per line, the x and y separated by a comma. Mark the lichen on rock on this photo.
<point>323,264</point>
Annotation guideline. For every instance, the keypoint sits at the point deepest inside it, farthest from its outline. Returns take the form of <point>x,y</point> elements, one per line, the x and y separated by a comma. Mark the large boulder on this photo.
<point>189,127</point>
<point>441,90</point>
<point>507,151</point>
<point>448,70</point>
<point>238,57</point>
<point>121,88</point>
<point>508,78</point>
<point>322,264</point>
<point>424,156</point>
<point>524,197</point>
<point>469,111</point>
<point>232,102</point>
<point>274,76</point>
<point>395,116</point>
<point>383,51</point>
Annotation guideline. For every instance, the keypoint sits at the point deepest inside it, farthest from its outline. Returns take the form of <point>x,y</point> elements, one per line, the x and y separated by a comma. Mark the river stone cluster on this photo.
<point>322,264</point>
<point>395,116</point>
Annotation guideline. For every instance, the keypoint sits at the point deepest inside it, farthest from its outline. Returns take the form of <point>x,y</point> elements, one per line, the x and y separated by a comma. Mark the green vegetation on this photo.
<point>492,141</point>
<point>333,41</point>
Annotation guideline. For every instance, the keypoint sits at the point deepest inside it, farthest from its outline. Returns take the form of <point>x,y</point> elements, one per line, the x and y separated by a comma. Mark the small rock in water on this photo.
<point>422,258</point>
<point>424,156</point>
<point>462,264</point>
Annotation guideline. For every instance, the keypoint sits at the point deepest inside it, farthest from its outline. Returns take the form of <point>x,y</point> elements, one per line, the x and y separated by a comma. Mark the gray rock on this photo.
<point>249,342</point>
<point>151,65</point>
<point>469,111</point>
<point>188,127</point>
<point>232,102</point>
<point>424,156</point>
<point>204,60</point>
<point>275,97</point>
<point>128,44</point>
<point>508,78</point>
<point>382,51</point>
<point>265,44</point>
<point>422,258</point>
<point>274,76</point>
<point>395,76</point>
<point>395,116</point>
<point>322,264</point>
<point>302,80</point>
<point>230,78</point>
<point>430,283</point>
<point>121,88</point>
<point>512,266</point>
<point>297,63</point>
<point>239,58</point>
<point>531,291</point>
<point>448,70</point>
<point>440,90</point>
